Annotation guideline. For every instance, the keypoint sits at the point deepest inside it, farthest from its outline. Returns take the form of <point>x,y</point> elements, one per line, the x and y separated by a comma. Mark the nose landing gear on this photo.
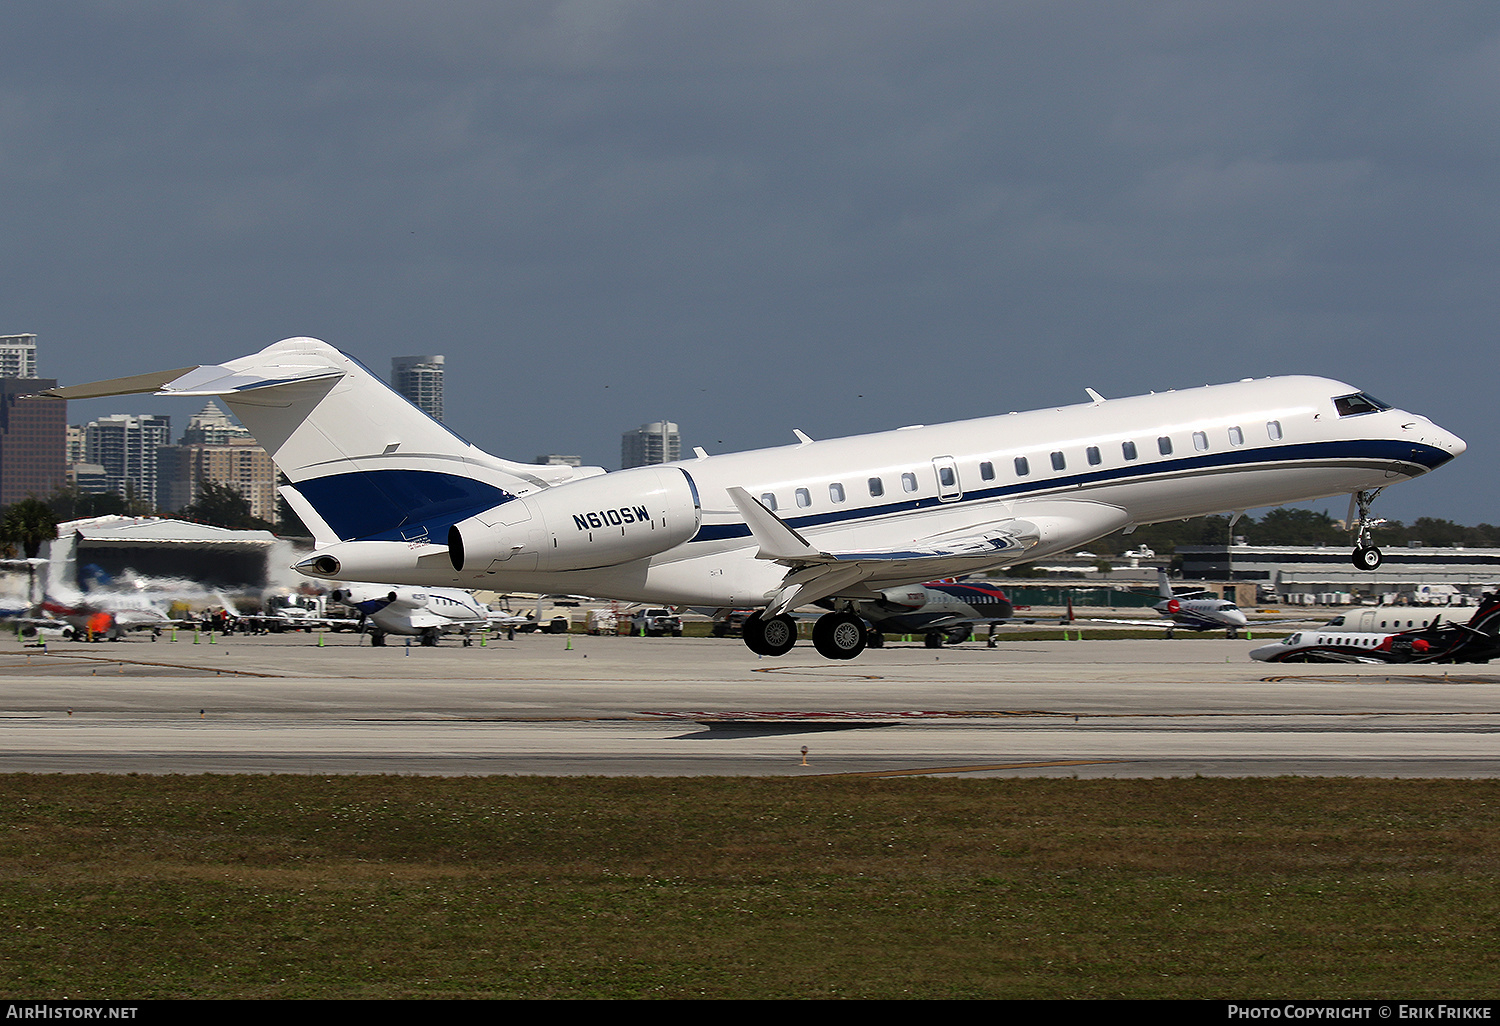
<point>1366,555</point>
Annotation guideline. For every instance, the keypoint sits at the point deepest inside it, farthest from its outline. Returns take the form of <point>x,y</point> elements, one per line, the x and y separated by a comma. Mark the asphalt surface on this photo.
<point>548,704</point>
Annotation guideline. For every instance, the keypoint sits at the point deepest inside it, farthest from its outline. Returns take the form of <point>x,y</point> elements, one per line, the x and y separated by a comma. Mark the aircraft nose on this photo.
<point>1450,445</point>
<point>1454,444</point>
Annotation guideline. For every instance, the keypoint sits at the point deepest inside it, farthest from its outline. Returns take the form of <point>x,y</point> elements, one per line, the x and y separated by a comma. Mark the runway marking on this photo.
<point>61,659</point>
<point>797,715</point>
<point>976,769</point>
<point>1397,679</point>
<point>809,671</point>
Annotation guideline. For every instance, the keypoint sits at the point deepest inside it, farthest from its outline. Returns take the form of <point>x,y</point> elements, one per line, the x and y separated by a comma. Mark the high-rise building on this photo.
<point>239,463</point>
<point>17,356</point>
<point>420,380</point>
<point>215,448</point>
<point>32,434</point>
<point>125,446</point>
<point>657,442</point>
<point>212,426</point>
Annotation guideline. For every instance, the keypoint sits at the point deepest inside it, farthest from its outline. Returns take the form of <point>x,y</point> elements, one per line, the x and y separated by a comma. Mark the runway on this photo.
<point>546,704</point>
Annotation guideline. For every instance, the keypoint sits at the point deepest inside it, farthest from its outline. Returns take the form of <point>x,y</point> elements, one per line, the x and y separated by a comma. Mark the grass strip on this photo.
<point>138,887</point>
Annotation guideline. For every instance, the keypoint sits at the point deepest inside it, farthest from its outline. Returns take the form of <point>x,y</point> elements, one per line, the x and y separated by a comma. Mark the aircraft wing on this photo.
<point>1163,624</point>
<point>300,622</point>
<point>511,620</point>
<point>815,574</point>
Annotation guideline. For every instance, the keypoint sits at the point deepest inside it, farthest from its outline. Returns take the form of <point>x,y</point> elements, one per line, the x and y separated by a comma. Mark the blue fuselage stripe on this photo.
<point>1409,453</point>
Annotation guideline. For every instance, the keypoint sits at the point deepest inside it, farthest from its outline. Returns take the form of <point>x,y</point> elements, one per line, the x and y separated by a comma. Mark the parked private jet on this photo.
<point>1477,641</point>
<point>941,611</point>
<point>1190,611</point>
<point>392,495</point>
<point>425,613</point>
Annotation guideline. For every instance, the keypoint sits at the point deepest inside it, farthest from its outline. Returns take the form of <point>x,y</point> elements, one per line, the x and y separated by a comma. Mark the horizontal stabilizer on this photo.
<point>226,380</point>
<point>118,386</point>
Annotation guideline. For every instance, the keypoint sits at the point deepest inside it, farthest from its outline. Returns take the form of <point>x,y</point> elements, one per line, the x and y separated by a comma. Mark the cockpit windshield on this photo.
<point>1358,403</point>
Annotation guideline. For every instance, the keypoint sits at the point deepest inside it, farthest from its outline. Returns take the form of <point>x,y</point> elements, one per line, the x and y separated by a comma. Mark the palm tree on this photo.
<point>28,523</point>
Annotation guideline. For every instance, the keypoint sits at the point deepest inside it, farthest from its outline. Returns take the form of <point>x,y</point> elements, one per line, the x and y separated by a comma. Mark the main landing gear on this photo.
<point>1366,555</point>
<point>835,635</point>
<point>771,636</point>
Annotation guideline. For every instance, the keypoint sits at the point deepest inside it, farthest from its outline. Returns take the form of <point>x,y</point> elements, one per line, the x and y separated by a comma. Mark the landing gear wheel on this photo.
<point>1367,558</point>
<point>839,635</point>
<point>770,637</point>
<point>429,637</point>
<point>874,639</point>
<point>932,639</point>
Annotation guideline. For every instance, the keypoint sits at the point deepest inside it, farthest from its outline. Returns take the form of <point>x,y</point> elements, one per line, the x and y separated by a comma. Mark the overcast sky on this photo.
<point>755,217</point>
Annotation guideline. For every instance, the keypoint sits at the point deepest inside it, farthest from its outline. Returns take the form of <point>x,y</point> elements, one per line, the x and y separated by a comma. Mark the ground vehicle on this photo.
<point>654,621</point>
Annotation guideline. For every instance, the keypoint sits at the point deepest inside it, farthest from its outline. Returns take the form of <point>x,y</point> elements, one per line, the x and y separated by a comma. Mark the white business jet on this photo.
<point>1190,611</point>
<point>392,495</point>
<point>423,613</point>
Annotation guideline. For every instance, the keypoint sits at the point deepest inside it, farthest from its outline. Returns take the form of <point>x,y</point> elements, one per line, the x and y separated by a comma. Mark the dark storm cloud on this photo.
<point>749,217</point>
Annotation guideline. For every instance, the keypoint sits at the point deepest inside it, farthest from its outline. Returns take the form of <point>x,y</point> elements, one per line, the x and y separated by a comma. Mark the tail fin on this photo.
<point>363,462</point>
<point>1163,585</point>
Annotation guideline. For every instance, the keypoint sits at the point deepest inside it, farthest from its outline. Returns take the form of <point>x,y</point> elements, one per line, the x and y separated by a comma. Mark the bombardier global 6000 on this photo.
<point>393,496</point>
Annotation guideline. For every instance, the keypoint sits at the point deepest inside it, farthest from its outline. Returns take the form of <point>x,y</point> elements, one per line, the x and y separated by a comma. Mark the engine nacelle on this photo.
<point>408,598</point>
<point>906,599</point>
<point>598,521</point>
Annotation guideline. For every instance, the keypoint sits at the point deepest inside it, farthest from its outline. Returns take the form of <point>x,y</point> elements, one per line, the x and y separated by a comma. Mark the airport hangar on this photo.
<point>97,550</point>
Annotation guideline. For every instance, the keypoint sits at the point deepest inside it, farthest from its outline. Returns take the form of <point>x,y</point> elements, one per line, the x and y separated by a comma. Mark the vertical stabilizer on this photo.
<point>370,464</point>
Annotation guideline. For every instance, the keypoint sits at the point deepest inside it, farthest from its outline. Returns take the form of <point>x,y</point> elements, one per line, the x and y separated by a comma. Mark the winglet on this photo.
<point>777,540</point>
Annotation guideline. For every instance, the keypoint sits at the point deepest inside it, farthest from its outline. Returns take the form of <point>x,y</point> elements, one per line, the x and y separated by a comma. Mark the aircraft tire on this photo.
<point>932,639</point>
<point>773,637</point>
<point>874,639</point>
<point>839,635</point>
<point>377,639</point>
<point>1368,558</point>
<point>429,637</point>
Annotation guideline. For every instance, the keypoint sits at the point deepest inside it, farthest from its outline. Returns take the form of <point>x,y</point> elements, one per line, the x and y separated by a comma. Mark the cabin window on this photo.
<point>1273,429</point>
<point>1127,449</point>
<point>947,477</point>
<point>1236,436</point>
<point>1023,466</point>
<point>804,499</point>
<point>768,500</point>
<point>987,471</point>
<point>1059,462</point>
<point>1092,452</point>
<point>836,492</point>
<point>877,488</point>
<point>909,481</point>
<point>1200,441</point>
<point>1164,445</point>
